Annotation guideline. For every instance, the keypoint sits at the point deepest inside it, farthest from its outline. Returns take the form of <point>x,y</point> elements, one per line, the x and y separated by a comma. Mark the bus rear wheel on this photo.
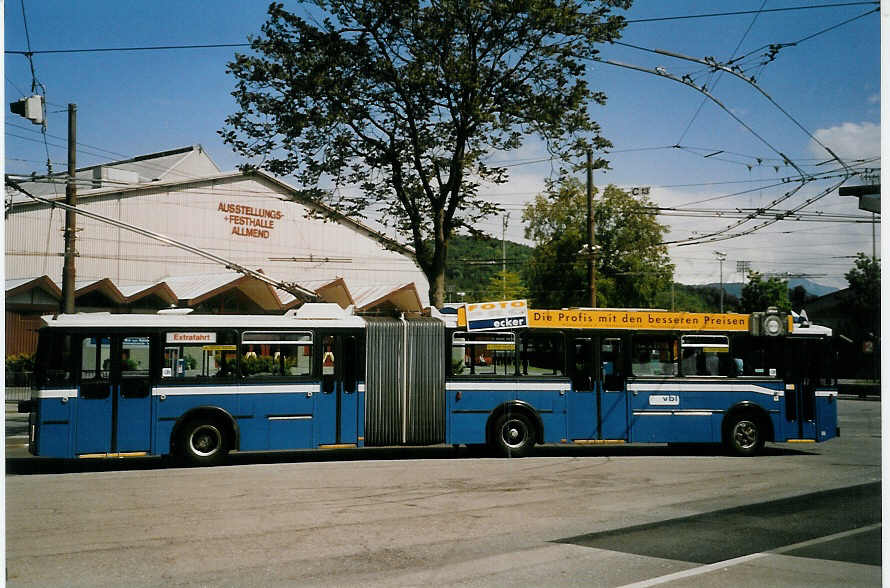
<point>513,435</point>
<point>203,443</point>
<point>743,436</point>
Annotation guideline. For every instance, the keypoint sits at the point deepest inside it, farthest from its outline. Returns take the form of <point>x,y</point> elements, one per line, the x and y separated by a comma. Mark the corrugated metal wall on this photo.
<point>405,382</point>
<point>196,213</point>
<point>21,333</point>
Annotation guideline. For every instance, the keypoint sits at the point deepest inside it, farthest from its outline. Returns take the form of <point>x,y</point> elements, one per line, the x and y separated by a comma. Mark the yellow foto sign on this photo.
<point>636,319</point>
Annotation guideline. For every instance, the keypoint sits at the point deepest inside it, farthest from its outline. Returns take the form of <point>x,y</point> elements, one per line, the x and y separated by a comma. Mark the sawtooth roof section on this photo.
<point>404,298</point>
<point>328,290</point>
<point>135,292</point>
<point>104,286</point>
<point>22,285</point>
<point>194,289</point>
<point>33,293</point>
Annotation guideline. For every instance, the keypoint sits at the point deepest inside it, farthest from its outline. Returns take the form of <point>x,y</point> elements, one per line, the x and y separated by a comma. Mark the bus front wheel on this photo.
<point>203,443</point>
<point>513,435</point>
<point>744,436</point>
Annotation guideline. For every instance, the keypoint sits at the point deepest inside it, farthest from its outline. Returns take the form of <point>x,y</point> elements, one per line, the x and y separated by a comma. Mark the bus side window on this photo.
<point>480,354</point>
<point>706,355</point>
<point>211,355</point>
<point>654,355</point>
<point>758,356</point>
<point>56,355</point>
<point>613,363</point>
<point>276,354</point>
<point>541,354</point>
<point>581,363</point>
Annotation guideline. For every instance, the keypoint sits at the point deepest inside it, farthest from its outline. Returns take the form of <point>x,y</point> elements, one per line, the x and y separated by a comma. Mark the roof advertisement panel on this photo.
<point>505,314</point>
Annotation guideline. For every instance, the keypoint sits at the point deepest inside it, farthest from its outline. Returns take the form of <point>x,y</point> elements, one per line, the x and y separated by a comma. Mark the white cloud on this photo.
<point>874,99</point>
<point>849,141</point>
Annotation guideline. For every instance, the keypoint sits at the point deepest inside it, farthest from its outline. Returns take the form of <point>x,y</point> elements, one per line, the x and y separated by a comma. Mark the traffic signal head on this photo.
<point>30,108</point>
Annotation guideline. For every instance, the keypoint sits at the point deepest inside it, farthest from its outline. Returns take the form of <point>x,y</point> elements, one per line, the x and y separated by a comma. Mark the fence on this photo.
<point>18,386</point>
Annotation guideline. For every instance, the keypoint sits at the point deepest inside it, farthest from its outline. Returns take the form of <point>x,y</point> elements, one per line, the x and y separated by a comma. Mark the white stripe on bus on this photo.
<point>673,412</point>
<point>701,387</point>
<point>235,389</point>
<point>502,386</point>
<point>68,393</point>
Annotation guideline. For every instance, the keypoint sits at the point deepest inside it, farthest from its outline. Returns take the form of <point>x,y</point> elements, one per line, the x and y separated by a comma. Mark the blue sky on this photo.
<point>133,103</point>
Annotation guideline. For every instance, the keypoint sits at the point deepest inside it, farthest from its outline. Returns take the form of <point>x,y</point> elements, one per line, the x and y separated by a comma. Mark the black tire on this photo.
<point>513,435</point>
<point>203,443</point>
<point>743,435</point>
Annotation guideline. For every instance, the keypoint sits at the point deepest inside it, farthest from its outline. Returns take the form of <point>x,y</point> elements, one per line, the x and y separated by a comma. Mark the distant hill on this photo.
<point>472,263</point>
<point>812,288</point>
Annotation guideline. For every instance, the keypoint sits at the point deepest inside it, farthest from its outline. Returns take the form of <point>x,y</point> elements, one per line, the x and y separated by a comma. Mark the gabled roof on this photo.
<point>147,169</point>
<point>292,194</point>
<point>21,285</point>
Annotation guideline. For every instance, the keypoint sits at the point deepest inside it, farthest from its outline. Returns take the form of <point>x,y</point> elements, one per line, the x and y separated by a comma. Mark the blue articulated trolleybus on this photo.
<point>199,386</point>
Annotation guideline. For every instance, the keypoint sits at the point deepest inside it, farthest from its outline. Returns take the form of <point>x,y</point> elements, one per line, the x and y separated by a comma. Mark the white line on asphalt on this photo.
<point>746,558</point>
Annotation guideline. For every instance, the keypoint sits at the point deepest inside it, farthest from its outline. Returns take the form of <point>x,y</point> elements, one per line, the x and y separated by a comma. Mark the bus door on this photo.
<point>613,401</point>
<point>597,407</point>
<point>804,376</point>
<point>583,415</point>
<point>114,399</point>
<point>336,407</point>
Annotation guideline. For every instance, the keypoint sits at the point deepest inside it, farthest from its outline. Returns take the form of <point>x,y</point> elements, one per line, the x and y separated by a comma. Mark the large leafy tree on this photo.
<point>863,297</point>
<point>632,264</point>
<point>400,104</point>
<point>759,294</point>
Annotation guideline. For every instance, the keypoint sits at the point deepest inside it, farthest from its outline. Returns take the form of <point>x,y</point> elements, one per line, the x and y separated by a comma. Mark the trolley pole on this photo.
<point>504,253</point>
<point>68,271</point>
<point>591,252</point>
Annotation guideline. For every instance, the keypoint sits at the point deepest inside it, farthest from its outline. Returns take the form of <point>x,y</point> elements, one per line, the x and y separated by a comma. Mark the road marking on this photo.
<point>746,558</point>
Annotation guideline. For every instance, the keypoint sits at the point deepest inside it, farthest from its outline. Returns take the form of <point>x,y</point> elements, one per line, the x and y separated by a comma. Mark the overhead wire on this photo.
<point>745,12</point>
<point>717,80</point>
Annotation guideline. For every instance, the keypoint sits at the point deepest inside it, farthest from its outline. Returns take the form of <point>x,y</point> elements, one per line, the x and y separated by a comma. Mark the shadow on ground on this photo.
<point>42,465</point>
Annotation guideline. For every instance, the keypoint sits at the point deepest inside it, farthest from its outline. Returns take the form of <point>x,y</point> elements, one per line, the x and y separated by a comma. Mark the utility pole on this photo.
<point>68,271</point>
<point>504,253</point>
<point>721,257</point>
<point>591,245</point>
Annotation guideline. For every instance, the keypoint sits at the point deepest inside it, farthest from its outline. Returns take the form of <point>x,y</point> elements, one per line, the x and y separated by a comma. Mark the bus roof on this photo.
<point>105,320</point>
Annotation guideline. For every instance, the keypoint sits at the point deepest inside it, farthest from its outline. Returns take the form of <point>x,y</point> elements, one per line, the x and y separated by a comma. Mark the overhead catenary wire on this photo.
<point>745,12</point>
<point>717,80</point>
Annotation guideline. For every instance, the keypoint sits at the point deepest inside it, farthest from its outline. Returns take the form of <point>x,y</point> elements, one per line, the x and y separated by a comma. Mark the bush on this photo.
<point>20,362</point>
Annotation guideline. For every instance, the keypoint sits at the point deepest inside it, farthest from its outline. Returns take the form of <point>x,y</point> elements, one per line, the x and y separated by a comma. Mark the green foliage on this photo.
<point>863,296</point>
<point>504,285</point>
<point>695,299</point>
<point>474,262</point>
<point>20,362</point>
<point>758,295</point>
<point>632,264</point>
<point>400,104</point>
<point>800,297</point>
